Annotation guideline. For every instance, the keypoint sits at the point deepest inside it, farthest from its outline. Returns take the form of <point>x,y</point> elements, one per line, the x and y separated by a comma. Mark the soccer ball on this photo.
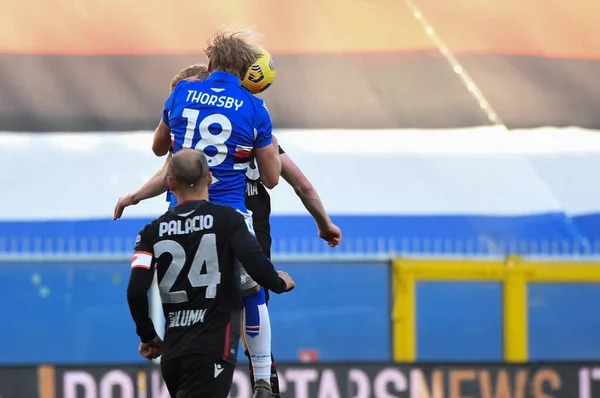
<point>261,74</point>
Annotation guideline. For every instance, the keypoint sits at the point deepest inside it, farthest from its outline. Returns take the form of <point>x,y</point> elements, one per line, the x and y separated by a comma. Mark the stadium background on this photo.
<point>454,143</point>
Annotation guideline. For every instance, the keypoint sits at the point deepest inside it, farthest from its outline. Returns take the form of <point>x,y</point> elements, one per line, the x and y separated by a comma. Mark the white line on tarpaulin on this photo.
<point>456,66</point>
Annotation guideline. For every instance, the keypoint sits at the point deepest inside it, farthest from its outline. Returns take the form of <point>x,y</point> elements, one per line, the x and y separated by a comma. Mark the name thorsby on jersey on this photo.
<point>221,101</point>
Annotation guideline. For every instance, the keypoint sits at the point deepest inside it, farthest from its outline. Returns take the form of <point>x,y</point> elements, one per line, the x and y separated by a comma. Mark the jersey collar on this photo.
<point>224,77</point>
<point>182,206</point>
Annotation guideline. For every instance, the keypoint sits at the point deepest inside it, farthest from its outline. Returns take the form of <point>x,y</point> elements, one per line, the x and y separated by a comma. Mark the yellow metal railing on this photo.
<point>514,273</point>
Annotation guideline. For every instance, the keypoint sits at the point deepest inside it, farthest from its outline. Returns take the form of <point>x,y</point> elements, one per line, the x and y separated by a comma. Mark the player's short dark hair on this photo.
<point>188,168</point>
<point>199,71</point>
<point>233,52</point>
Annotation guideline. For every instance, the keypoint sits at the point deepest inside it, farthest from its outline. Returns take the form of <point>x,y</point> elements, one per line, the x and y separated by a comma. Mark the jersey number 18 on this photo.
<point>207,139</point>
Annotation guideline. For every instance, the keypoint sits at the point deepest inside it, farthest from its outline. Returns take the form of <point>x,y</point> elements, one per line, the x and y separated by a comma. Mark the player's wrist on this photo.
<point>135,198</point>
<point>284,286</point>
<point>147,335</point>
<point>324,224</point>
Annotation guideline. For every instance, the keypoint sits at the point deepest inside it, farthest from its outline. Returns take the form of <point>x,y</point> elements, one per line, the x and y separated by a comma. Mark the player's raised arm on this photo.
<point>156,185</point>
<point>162,136</point>
<point>140,280</point>
<point>258,266</point>
<point>267,150</point>
<point>310,199</point>
<point>162,139</point>
<point>161,142</point>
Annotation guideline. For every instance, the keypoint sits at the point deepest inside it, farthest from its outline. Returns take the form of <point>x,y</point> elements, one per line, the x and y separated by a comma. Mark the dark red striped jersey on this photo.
<point>192,248</point>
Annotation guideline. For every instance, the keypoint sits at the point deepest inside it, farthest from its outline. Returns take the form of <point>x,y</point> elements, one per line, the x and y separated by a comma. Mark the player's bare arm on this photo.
<point>269,164</point>
<point>156,185</point>
<point>161,142</point>
<point>162,136</point>
<point>311,200</point>
<point>252,258</point>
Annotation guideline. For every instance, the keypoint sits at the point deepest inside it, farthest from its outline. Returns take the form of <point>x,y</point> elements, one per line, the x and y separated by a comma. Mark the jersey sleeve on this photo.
<point>167,108</point>
<point>264,127</point>
<point>140,280</point>
<point>249,253</point>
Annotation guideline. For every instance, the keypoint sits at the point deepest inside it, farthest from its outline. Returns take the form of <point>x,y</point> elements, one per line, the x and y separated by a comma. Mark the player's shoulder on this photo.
<point>153,225</point>
<point>221,209</point>
<point>259,108</point>
<point>226,216</point>
<point>252,99</point>
<point>148,232</point>
<point>258,103</point>
<point>184,85</point>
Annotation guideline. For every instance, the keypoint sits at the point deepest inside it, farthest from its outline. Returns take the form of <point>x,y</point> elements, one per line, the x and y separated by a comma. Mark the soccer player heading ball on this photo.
<point>257,200</point>
<point>224,121</point>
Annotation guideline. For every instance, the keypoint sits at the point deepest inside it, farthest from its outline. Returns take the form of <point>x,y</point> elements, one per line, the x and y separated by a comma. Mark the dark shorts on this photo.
<point>264,240</point>
<point>197,376</point>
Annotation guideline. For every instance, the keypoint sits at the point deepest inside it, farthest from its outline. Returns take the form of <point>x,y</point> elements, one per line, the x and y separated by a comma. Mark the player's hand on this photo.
<point>289,282</point>
<point>152,349</point>
<point>122,203</point>
<point>331,234</point>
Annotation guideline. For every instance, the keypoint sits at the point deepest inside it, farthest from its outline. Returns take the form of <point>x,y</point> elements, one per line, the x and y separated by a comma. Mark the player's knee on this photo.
<point>252,304</point>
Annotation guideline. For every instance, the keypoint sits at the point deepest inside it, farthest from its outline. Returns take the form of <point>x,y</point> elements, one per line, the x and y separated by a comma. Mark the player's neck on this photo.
<point>201,194</point>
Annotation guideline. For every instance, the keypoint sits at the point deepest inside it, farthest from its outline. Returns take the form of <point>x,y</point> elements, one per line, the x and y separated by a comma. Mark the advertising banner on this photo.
<point>323,381</point>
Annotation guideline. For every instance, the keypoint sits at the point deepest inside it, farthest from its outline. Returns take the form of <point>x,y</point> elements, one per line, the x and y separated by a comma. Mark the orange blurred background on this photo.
<point>546,28</point>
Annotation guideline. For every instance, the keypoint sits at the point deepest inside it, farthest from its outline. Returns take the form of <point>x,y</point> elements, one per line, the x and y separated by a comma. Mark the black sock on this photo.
<point>250,368</point>
<point>274,377</point>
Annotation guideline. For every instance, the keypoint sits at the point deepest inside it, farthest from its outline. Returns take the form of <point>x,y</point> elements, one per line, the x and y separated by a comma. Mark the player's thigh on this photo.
<point>246,282</point>
<point>171,373</point>
<point>204,377</point>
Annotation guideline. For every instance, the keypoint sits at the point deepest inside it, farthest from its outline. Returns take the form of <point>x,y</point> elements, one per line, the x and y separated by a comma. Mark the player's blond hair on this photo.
<point>198,70</point>
<point>233,52</point>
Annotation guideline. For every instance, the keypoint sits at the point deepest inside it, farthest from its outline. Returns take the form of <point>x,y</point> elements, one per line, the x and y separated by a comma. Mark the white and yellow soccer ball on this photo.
<point>261,74</point>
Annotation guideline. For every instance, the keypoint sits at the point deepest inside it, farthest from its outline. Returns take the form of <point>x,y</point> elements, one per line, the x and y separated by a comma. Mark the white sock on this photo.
<point>258,340</point>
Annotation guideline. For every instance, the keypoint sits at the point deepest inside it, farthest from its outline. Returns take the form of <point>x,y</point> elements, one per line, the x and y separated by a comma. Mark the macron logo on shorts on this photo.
<point>218,370</point>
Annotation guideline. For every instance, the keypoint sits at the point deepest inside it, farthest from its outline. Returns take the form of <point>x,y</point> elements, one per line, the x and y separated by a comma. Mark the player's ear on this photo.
<point>170,183</point>
<point>209,179</point>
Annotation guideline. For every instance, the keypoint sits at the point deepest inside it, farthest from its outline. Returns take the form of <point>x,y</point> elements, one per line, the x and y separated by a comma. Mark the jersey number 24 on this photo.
<point>206,253</point>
